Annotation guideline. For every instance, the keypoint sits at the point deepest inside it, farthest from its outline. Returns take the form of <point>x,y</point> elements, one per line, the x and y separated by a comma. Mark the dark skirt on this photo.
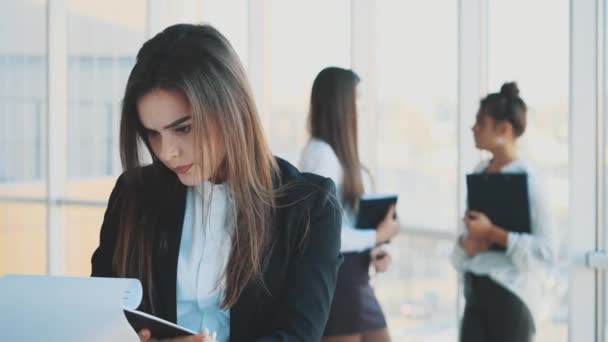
<point>493,313</point>
<point>354,309</point>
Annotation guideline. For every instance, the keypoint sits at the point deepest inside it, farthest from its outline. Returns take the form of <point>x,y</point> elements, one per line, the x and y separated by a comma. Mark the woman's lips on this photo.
<point>182,168</point>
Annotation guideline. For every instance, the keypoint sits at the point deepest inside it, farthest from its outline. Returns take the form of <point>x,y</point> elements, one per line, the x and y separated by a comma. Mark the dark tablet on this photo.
<point>157,326</point>
<point>373,209</point>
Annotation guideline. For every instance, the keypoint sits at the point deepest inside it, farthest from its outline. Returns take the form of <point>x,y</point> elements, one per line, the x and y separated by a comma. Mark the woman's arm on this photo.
<point>320,159</point>
<point>101,260</point>
<point>311,278</point>
<point>526,250</point>
<point>459,256</point>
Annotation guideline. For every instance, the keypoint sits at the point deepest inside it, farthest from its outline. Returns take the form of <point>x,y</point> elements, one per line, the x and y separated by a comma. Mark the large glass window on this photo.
<point>521,50</point>
<point>300,47</point>
<point>23,117</point>
<point>416,109</point>
<point>418,293</point>
<point>82,224</point>
<point>231,18</point>
<point>23,111</point>
<point>416,153</point>
<point>23,238</point>
<point>102,45</point>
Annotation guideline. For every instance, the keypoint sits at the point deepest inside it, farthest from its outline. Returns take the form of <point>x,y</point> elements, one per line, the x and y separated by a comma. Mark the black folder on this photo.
<point>373,209</point>
<point>503,198</point>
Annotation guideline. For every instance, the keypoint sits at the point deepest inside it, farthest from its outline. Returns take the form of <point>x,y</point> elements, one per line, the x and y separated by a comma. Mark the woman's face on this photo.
<point>486,132</point>
<point>167,119</point>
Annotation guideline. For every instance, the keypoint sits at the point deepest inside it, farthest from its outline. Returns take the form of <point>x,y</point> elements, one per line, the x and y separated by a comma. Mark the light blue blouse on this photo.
<point>204,250</point>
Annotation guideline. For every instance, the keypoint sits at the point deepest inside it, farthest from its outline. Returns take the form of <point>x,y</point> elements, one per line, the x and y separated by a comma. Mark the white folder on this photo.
<point>56,308</point>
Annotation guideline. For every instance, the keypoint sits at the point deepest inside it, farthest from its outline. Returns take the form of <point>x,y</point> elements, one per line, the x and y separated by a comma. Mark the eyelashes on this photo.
<point>183,129</point>
<point>179,130</point>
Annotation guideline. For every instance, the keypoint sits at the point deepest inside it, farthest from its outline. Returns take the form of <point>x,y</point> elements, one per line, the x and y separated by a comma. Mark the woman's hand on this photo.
<point>381,259</point>
<point>203,336</point>
<point>388,228</point>
<point>478,225</point>
<point>473,246</point>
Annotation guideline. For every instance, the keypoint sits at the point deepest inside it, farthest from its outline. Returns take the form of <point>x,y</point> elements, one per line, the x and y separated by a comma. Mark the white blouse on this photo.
<point>318,157</point>
<point>203,254</point>
<point>527,267</point>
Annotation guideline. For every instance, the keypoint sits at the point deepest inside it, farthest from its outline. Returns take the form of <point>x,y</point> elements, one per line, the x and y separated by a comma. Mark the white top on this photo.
<point>203,254</point>
<point>318,157</point>
<point>527,266</point>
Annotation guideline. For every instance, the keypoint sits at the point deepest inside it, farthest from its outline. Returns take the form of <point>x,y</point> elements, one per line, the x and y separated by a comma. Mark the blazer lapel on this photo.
<point>170,232</point>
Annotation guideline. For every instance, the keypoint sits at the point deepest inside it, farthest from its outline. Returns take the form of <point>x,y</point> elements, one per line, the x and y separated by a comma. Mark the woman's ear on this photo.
<point>505,129</point>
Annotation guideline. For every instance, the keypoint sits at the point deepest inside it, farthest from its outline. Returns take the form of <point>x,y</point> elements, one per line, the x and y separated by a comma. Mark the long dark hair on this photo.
<point>199,63</point>
<point>333,118</point>
<point>506,106</point>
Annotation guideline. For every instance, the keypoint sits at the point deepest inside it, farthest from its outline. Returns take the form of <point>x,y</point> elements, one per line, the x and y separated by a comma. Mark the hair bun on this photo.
<point>510,90</point>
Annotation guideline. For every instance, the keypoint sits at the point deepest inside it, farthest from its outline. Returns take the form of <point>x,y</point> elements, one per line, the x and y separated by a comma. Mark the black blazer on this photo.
<point>300,273</point>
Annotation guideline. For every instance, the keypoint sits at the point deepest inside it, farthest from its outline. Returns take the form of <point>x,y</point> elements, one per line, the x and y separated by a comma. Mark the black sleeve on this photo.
<point>311,279</point>
<point>101,261</point>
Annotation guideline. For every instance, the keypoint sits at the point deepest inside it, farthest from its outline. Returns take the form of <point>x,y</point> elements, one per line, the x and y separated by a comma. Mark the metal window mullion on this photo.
<point>472,85</point>
<point>600,170</point>
<point>584,153</point>
<point>56,132</point>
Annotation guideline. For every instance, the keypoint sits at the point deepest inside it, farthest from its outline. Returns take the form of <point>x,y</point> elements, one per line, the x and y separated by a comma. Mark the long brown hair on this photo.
<point>198,62</point>
<point>332,118</point>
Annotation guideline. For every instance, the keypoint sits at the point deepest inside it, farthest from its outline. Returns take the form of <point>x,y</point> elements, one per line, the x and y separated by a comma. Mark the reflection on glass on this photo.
<point>542,76</point>
<point>299,48</point>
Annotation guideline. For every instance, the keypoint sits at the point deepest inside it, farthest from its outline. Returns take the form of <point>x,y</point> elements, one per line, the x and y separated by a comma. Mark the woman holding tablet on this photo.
<point>502,287</point>
<point>332,152</point>
<point>222,235</point>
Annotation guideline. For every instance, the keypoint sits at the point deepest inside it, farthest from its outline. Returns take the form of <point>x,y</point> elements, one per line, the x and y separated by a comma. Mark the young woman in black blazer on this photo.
<point>275,232</point>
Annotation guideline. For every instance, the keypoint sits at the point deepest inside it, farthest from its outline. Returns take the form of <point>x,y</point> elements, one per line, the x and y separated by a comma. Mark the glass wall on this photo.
<point>97,74</point>
<point>231,18</point>
<point>23,119</point>
<point>23,236</point>
<point>415,49</point>
<point>298,50</point>
<point>23,98</point>
<point>416,153</point>
<point>416,109</point>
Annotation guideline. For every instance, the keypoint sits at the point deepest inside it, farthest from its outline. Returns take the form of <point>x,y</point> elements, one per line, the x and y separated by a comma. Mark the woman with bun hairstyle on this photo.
<point>502,288</point>
<point>224,237</point>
